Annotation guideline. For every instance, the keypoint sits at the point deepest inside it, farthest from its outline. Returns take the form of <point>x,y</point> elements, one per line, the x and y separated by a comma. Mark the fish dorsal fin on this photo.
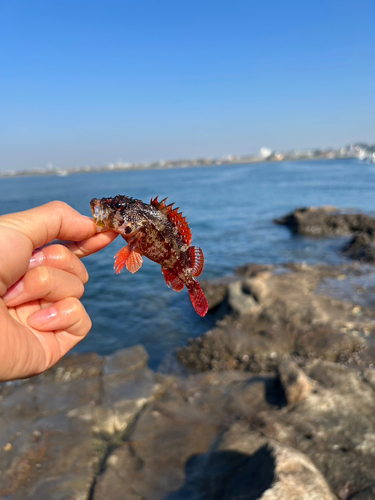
<point>176,217</point>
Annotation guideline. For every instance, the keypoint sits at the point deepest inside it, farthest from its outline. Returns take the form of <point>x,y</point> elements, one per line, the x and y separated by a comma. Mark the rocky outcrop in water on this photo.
<point>326,221</point>
<point>361,247</point>
<point>329,221</point>
<point>280,405</point>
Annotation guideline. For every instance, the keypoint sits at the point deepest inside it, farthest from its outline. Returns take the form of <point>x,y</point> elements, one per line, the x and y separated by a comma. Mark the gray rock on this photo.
<point>56,428</point>
<point>241,299</point>
<point>296,384</point>
<point>334,426</point>
<point>48,453</point>
<point>184,421</point>
<point>294,476</point>
<point>227,475</point>
<point>216,292</point>
<point>361,247</point>
<point>128,385</point>
<point>326,221</point>
<point>152,463</point>
<point>366,494</point>
<point>276,415</point>
<point>231,434</point>
<point>329,221</point>
<point>285,310</point>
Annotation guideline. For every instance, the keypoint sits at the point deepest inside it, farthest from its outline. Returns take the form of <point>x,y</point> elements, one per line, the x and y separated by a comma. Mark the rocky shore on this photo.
<point>277,402</point>
<point>330,221</point>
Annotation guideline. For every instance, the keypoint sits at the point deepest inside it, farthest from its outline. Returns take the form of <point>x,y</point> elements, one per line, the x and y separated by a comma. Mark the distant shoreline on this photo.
<point>169,166</point>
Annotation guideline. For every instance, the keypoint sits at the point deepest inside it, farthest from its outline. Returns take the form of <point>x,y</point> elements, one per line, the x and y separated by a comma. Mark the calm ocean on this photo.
<point>230,210</point>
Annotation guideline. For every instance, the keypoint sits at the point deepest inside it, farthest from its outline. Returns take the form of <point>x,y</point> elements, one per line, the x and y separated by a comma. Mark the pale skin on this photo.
<point>41,316</point>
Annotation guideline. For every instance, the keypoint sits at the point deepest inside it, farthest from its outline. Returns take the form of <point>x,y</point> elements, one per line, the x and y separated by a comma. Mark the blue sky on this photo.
<point>92,82</point>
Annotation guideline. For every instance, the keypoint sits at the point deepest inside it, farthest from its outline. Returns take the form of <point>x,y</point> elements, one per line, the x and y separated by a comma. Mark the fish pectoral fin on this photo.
<point>129,258</point>
<point>172,280</point>
<point>134,262</point>
<point>121,257</point>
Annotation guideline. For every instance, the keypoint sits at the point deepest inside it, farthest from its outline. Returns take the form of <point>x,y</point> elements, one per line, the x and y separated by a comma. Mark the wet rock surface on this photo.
<point>278,403</point>
<point>213,435</point>
<point>56,428</point>
<point>326,221</point>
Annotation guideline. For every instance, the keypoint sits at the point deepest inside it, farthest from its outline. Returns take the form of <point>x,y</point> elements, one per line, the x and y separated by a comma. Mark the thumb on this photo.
<point>22,232</point>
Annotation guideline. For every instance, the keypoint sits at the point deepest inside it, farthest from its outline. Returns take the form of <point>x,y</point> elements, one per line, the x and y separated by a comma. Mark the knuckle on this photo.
<point>87,324</point>
<point>80,289</point>
<point>59,206</point>
<point>63,252</point>
<point>86,277</point>
<point>42,275</point>
<point>60,256</point>
<point>75,306</point>
<point>57,253</point>
<point>82,321</point>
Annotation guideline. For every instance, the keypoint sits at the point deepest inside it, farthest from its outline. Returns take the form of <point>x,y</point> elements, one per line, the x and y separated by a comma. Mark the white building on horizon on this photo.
<point>265,153</point>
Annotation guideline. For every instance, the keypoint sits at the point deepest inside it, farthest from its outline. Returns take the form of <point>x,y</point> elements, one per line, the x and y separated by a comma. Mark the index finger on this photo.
<point>93,244</point>
<point>54,220</point>
<point>21,233</point>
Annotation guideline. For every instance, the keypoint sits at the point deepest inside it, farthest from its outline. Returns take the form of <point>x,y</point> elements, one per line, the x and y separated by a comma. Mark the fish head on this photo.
<point>120,213</point>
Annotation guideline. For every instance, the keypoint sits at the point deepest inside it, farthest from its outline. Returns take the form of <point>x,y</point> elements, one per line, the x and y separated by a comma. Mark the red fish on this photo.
<point>159,232</point>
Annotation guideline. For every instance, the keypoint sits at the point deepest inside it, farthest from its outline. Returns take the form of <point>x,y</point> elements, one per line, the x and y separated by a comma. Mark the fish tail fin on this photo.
<point>197,297</point>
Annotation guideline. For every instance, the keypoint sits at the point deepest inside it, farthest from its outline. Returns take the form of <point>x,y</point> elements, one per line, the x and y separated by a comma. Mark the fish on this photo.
<point>159,232</point>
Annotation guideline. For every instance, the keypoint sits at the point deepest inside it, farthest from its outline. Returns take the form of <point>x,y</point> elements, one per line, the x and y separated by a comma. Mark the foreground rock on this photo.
<point>309,311</point>
<point>282,408</point>
<point>226,435</point>
<point>56,428</point>
<point>326,221</point>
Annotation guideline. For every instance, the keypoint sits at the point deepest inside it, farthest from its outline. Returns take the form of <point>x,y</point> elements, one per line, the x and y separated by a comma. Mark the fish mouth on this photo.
<point>99,213</point>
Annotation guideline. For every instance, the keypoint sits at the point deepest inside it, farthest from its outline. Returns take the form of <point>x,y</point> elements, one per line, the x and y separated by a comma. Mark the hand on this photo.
<point>41,316</point>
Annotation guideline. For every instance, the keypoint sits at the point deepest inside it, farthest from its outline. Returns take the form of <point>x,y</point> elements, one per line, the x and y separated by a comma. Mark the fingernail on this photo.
<point>42,317</point>
<point>14,291</point>
<point>37,258</point>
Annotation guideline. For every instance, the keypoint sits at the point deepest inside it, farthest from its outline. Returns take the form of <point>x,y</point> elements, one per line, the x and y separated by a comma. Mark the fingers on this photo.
<point>21,233</point>
<point>60,257</point>
<point>91,245</point>
<point>66,315</point>
<point>34,339</point>
<point>55,220</point>
<point>62,326</point>
<point>48,283</point>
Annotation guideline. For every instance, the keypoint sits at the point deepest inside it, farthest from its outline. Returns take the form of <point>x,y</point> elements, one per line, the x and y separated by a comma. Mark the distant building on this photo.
<point>265,153</point>
<point>279,157</point>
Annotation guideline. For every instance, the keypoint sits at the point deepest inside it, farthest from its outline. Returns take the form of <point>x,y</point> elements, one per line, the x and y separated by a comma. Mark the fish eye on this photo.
<point>117,205</point>
<point>128,229</point>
